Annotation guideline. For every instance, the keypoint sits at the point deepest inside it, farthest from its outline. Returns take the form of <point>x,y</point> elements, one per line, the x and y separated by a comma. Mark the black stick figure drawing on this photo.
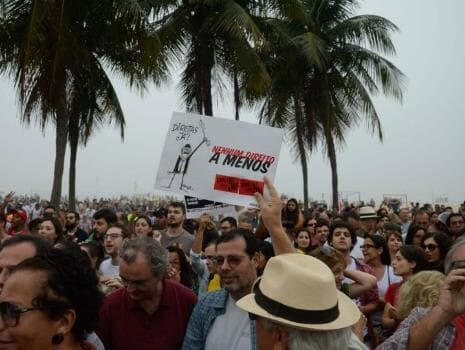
<point>182,162</point>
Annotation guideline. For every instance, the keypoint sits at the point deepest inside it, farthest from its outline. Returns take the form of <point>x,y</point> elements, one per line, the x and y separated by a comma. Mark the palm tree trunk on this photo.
<point>302,153</point>
<point>73,145</point>
<point>208,101</point>
<point>61,140</point>
<point>237,98</point>
<point>333,164</point>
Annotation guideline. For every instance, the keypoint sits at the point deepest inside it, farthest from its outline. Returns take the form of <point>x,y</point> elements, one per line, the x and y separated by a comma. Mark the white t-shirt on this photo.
<point>231,330</point>
<point>357,251</point>
<point>388,278</point>
<point>109,270</point>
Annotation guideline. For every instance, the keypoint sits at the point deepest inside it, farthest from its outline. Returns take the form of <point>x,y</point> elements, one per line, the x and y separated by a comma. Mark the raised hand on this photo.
<point>270,210</point>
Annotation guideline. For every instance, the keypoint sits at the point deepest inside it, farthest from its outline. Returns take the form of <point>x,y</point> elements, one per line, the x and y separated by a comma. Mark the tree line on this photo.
<point>310,66</point>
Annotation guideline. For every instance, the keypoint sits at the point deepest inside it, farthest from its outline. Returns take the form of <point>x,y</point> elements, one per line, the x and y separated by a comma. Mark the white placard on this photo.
<point>218,159</point>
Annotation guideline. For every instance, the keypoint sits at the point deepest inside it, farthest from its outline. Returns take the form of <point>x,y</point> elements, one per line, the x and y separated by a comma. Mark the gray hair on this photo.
<point>448,260</point>
<point>156,255</point>
<point>303,339</point>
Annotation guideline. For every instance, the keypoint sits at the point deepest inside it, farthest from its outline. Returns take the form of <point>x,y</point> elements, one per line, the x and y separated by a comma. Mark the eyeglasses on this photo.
<point>233,260</point>
<point>136,283</point>
<point>430,246</point>
<point>112,236</point>
<point>10,313</point>
<point>367,246</point>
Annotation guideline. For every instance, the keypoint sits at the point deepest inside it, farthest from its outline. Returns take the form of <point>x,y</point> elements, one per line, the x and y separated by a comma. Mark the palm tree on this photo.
<point>285,103</point>
<point>343,68</point>
<point>51,48</point>
<point>94,103</point>
<point>213,39</point>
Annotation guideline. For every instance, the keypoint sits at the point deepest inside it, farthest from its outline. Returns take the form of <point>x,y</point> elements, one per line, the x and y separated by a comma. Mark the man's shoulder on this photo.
<point>187,235</point>
<point>117,298</point>
<point>185,293</point>
<point>215,299</point>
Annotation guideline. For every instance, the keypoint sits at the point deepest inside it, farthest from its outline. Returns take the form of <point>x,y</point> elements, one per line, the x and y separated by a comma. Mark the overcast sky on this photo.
<point>422,155</point>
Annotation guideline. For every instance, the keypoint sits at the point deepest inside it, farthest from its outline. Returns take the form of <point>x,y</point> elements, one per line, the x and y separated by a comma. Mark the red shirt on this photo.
<point>392,294</point>
<point>459,341</point>
<point>124,325</point>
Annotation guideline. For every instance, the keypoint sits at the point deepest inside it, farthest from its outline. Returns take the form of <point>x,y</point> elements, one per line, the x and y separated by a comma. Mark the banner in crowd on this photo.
<point>218,159</point>
<point>196,207</point>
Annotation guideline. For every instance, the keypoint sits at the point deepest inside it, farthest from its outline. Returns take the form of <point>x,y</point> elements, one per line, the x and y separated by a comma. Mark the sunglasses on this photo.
<point>430,246</point>
<point>10,313</point>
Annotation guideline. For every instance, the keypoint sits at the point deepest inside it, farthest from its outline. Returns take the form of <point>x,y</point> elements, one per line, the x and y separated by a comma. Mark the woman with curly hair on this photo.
<point>50,302</point>
<point>421,290</point>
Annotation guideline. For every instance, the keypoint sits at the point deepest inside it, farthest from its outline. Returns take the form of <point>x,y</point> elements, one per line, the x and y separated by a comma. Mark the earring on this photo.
<point>58,338</point>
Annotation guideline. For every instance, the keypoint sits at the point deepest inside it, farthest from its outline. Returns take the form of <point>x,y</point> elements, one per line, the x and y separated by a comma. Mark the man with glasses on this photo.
<point>151,312</point>
<point>442,326</point>
<point>109,269</point>
<point>73,232</point>
<point>217,323</point>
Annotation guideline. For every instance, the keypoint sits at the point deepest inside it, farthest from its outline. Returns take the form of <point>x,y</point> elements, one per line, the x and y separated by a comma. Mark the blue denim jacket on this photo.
<point>205,312</point>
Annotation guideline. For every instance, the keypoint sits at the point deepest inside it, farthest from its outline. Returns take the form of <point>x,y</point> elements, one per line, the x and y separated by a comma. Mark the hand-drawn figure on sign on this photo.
<point>182,162</point>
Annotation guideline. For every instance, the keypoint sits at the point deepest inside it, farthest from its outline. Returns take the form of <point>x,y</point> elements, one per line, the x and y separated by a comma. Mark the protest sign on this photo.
<point>218,159</point>
<point>196,207</point>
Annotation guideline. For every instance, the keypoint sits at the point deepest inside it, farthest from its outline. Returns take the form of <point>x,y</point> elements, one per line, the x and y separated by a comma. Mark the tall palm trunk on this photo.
<point>73,145</point>
<point>237,97</point>
<point>61,140</point>
<point>302,152</point>
<point>333,164</point>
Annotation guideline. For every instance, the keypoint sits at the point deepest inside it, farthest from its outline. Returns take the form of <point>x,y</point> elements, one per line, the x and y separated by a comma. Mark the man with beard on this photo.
<point>102,221</point>
<point>73,232</point>
<point>455,225</point>
<point>216,322</point>
<point>175,234</point>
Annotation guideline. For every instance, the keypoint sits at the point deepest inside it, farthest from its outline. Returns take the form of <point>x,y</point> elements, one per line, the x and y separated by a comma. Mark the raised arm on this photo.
<point>271,216</point>
<point>423,333</point>
<point>363,282</point>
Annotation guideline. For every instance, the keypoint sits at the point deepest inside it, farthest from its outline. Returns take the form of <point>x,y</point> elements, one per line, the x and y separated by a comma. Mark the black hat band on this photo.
<point>295,315</point>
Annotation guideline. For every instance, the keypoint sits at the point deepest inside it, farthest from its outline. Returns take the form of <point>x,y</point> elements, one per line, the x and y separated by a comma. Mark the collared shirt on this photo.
<point>399,340</point>
<point>205,312</point>
<point>124,325</point>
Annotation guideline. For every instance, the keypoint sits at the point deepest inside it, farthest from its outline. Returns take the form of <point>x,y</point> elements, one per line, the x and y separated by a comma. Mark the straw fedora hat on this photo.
<point>367,213</point>
<point>300,291</point>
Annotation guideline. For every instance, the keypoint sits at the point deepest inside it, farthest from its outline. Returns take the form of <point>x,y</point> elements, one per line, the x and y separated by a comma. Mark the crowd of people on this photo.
<point>112,275</point>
